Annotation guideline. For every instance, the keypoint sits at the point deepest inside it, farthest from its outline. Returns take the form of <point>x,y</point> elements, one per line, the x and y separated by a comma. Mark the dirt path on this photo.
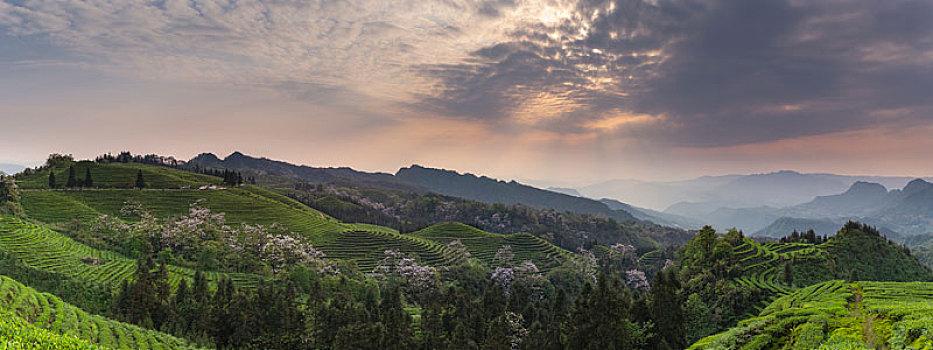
<point>868,322</point>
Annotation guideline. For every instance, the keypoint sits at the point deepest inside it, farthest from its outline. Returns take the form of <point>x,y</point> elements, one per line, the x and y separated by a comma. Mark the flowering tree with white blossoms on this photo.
<point>515,328</point>
<point>415,278</point>
<point>508,273</point>
<point>186,234</point>
<point>637,280</point>
<point>504,256</point>
<point>280,251</point>
<point>585,265</point>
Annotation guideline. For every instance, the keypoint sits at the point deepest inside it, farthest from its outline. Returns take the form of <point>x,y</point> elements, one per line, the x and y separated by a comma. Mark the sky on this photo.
<point>563,92</point>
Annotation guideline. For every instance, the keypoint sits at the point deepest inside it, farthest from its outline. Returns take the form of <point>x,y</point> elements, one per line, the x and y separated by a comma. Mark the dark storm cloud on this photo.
<point>721,73</point>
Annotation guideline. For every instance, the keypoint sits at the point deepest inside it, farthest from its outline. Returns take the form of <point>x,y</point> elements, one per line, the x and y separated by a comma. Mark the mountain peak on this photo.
<point>235,155</point>
<point>866,188</point>
<point>206,159</point>
<point>915,186</point>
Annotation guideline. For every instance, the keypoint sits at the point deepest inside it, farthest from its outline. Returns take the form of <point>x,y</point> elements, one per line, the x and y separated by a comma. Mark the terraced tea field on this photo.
<point>240,205</point>
<point>48,250</point>
<point>121,175</point>
<point>484,245</point>
<point>367,248</point>
<point>362,243</point>
<point>838,315</point>
<point>80,328</point>
<point>762,264</point>
<point>17,334</point>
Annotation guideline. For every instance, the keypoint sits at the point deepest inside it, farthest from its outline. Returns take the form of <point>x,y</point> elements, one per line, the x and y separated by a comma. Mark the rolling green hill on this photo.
<point>120,175</point>
<point>363,243</point>
<point>17,334</point>
<point>741,277</point>
<point>838,315</point>
<point>484,245</point>
<point>44,249</point>
<point>80,328</point>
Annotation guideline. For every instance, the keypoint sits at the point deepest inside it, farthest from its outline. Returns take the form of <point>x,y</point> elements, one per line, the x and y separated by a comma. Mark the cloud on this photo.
<point>721,72</point>
<point>680,73</point>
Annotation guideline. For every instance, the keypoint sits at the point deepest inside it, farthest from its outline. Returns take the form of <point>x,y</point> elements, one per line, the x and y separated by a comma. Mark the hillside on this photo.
<point>757,273</point>
<point>46,250</point>
<point>776,189</point>
<point>171,191</point>
<point>484,245</point>
<point>488,190</point>
<point>838,315</point>
<point>265,166</point>
<point>782,226</point>
<point>119,175</point>
<point>389,200</point>
<point>17,334</point>
<point>79,328</point>
<point>921,246</point>
<point>660,218</point>
<point>905,211</point>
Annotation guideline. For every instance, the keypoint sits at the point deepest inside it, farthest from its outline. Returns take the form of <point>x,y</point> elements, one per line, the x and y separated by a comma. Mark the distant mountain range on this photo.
<point>777,189</point>
<point>772,204</point>
<point>906,211</point>
<point>422,179</point>
<point>265,166</point>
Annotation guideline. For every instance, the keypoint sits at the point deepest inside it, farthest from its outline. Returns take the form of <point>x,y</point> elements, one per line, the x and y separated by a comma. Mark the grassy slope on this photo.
<point>17,334</point>
<point>47,311</point>
<point>872,258</point>
<point>362,243</point>
<point>484,245</point>
<point>44,249</point>
<point>838,315</point>
<point>120,175</point>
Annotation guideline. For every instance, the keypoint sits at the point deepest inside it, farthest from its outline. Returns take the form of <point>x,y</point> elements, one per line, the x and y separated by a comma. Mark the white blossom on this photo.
<point>637,280</point>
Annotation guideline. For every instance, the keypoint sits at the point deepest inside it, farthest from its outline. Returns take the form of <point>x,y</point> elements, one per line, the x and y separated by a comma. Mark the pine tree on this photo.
<point>397,322</point>
<point>140,182</point>
<point>556,338</point>
<point>71,177</point>
<point>88,181</point>
<point>788,274</point>
<point>52,178</point>
<point>667,311</point>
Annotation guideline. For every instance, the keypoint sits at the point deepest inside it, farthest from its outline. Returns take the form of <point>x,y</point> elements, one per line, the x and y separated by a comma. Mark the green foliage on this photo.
<point>17,334</point>
<point>735,276</point>
<point>49,312</point>
<point>838,315</point>
<point>140,181</point>
<point>118,175</point>
<point>484,245</point>
<point>50,251</point>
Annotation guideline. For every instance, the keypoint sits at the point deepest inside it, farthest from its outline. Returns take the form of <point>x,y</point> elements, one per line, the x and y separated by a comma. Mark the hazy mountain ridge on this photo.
<point>489,190</point>
<point>421,179</point>
<point>657,217</point>
<point>777,189</point>
<point>267,166</point>
<point>898,212</point>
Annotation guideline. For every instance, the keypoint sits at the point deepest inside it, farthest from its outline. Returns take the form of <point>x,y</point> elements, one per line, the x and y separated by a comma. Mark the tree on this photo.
<point>52,183</point>
<point>88,181</point>
<point>667,311</point>
<point>788,274</point>
<point>140,182</point>
<point>699,319</point>
<point>397,322</point>
<point>71,177</point>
